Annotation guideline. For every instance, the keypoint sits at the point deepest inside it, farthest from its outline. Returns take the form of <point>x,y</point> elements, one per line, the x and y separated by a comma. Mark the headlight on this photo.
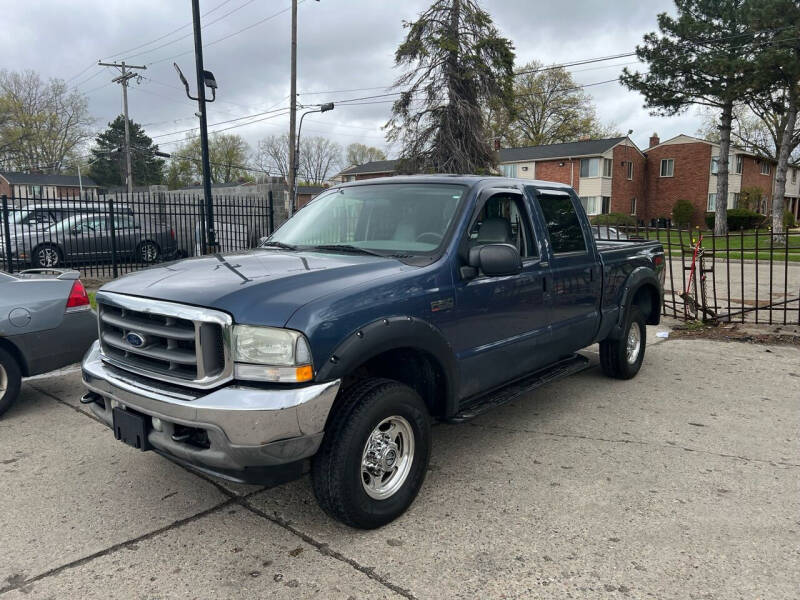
<point>271,354</point>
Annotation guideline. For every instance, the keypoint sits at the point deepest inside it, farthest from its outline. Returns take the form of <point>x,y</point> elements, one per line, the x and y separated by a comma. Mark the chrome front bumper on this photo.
<point>248,428</point>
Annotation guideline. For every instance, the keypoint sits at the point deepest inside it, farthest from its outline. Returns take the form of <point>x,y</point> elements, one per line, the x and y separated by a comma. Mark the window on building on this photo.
<point>591,204</point>
<point>794,175</point>
<point>736,199</point>
<point>608,164</point>
<point>739,163</point>
<point>633,206</point>
<point>606,205</point>
<point>715,165</point>
<point>667,167</point>
<point>630,169</point>
<point>590,167</point>
<point>563,225</point>
<point>765,170</point>
<point>732,201</point>
<point>508,170</point>
<point>712,203</point>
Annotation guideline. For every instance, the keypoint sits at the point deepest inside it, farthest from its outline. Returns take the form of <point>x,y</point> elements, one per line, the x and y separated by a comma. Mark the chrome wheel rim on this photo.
<point>149,253</point>
<point>48,257</point>
<point>634,343</point>
<point>3,382</point>
<point>387,458</point>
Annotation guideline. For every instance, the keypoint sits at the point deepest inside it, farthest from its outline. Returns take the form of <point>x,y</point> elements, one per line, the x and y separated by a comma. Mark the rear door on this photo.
<point>575,271</point>
<point>501,330</point>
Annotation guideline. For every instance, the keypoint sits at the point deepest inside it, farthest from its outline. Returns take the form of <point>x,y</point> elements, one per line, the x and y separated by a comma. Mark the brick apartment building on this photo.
<point>614,175</point>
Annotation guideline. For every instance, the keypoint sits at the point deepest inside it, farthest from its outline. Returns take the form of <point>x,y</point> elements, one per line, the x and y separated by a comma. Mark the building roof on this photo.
<point>310,189</point>
<point>565,150</point>
<point>43,179</point>
<point>376,166</point>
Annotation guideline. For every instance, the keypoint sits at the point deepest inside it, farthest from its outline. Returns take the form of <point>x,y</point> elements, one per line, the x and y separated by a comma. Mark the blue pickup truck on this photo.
<point>380,306</point>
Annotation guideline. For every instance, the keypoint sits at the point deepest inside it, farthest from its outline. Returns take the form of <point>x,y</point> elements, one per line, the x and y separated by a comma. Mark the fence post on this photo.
<point>271,213</point>
<point>113,227</point>
<point>7,235</point>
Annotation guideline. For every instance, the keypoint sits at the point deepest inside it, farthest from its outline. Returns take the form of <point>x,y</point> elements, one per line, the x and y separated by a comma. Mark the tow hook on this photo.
<point>92,398</point>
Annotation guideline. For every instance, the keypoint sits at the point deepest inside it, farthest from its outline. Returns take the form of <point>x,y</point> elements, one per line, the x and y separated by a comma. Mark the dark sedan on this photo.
<point>88,238</point>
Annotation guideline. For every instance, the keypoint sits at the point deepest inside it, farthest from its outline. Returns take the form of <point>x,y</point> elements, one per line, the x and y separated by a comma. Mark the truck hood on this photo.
<point>258,287</point>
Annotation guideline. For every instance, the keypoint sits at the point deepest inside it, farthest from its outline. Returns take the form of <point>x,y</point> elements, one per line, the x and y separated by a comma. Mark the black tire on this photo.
<point>11,376</point>
<point>614,358</point>
<point>148,252</point>
<point>40,254</point>
<point>336,470</point>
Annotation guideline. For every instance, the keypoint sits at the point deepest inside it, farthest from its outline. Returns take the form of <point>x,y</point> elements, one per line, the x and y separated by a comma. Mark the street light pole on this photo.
<point>322,108</point>
<point>211,237</point>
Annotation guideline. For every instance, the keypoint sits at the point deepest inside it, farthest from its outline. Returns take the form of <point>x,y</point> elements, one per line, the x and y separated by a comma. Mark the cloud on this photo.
<point>343,45</point>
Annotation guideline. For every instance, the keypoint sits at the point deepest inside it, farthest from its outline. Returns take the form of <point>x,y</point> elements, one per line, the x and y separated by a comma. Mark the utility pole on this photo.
<point>293,112</point>
<point>123,80</point>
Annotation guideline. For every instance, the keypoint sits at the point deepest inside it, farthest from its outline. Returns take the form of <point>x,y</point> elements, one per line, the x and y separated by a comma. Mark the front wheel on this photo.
<point>374,455</point>
<point>47,256</point>
<point>622,358</point>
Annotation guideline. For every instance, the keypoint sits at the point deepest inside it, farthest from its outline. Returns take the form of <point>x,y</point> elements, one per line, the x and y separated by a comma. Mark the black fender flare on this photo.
<point>638,278</point>
<point>392,333</point>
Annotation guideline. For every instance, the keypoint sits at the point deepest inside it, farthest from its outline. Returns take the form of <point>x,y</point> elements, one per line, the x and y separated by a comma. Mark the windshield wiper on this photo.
<point>347,248</point>
<point>277,244</point>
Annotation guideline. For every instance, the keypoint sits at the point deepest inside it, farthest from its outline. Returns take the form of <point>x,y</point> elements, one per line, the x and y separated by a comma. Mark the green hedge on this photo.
<point>788,220</point>
<point>682,212</point>
<point>738,218</point>
<point>613,219</point>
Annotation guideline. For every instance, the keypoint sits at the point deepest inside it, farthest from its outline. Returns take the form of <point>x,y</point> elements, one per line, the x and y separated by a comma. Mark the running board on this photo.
<point>568,366</point>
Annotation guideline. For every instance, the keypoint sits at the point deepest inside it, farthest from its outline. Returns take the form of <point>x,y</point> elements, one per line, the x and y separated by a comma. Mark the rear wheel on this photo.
<point>622,358</point>
<point>148,252</point>
<point>47,256</point>
<point>374,455</point>
<point>10,380</point>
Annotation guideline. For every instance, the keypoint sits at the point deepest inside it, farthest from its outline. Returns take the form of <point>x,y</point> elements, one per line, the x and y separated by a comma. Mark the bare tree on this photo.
<point>272,155</point>
<point>548,108</point>
<point>319,156</point>
<point>42,122</point>
<point>358,154</point>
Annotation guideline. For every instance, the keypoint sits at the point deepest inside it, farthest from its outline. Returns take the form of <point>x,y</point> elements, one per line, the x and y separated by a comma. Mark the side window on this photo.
<point>503,220</point>
<point>563,224</point>
<point>125,223</point>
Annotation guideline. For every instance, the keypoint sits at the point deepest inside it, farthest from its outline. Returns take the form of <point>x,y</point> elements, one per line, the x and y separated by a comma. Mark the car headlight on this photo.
<point>271,354</point>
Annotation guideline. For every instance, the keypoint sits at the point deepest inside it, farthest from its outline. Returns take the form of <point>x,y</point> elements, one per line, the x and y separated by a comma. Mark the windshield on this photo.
<point>389,219</point>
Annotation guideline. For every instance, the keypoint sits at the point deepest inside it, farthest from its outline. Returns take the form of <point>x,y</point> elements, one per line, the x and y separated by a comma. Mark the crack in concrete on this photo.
<point>19,583</point>
<point>233,499</point>
<point>632,441</point>
<point>326,550</point>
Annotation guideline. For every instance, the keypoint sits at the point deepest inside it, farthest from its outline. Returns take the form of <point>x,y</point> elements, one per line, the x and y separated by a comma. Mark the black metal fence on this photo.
<point>743,276</point>
<point>110,235</point>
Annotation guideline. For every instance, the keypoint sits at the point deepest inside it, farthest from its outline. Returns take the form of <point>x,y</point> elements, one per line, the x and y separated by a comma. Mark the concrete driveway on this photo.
<point>682,483</point>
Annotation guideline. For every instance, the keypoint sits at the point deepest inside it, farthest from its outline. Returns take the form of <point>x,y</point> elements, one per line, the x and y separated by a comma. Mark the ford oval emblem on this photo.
<point>135,339</point>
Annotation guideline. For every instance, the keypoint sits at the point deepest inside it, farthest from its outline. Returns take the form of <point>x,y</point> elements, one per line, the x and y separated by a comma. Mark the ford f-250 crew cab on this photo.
<point>380,306</point>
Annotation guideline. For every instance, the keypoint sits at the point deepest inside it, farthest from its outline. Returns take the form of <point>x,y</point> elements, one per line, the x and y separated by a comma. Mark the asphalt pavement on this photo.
<point>682,483</point>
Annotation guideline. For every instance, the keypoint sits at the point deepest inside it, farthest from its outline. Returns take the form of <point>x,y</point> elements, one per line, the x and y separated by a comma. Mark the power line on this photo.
<point>225,37</point>
<point>166,35</point>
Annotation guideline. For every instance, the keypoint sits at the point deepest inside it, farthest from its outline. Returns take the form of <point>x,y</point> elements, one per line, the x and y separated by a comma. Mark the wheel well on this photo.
<point>647,300</point>
<point>416,368</point>
<point>14,351</point>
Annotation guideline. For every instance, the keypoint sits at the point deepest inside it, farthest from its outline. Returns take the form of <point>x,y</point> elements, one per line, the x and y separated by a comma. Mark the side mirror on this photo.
<point>496,259</point>
<point>74,231</point>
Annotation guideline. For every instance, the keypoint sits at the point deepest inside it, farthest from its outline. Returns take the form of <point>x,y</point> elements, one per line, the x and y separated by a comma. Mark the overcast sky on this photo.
<point>343,45</point>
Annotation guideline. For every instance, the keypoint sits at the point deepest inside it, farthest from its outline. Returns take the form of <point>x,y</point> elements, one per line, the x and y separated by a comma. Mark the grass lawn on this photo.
<point>738,245</point>
<point>92,301</point>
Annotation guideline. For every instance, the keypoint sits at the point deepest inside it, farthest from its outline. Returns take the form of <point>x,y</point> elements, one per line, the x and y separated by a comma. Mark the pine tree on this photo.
<point>108,164</point>
<point>703,56</point>
<point>457,62</point>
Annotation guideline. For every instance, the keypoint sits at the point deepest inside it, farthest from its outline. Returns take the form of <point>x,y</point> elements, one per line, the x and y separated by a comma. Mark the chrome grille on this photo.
<point>164,340</point>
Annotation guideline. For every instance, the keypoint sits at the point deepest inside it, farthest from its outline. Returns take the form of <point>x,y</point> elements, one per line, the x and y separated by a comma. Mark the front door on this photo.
<point>501,329</point>
<point>575,270</point>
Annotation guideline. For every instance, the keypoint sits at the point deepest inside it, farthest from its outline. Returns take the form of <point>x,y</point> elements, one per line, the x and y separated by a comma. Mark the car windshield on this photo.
<point>391,219</point>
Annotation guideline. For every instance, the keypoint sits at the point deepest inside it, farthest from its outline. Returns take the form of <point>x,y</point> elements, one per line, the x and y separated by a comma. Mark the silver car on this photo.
<point>45,323</point>
<point>87,238</point>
